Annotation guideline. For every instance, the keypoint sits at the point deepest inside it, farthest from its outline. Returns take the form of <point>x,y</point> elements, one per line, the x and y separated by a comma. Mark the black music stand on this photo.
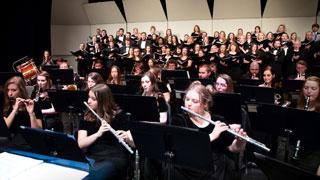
<point>253,82</point>
<point>140,107</point>
<point>173,74</point>
<point>256,94</point>
<point>103,72</point>
<point>4,76</point>
<point>289,85</point>
<point>224,102</point>
<point>69,102</point>
<point>52,143</point>
<point>278,170</point>
<point>49,67</point>
<point>182,84</point>
<point>61,76</point>
<point>133,83</point>
<point>304,126</point>
<point>176,146</point>
<point>118,89</point>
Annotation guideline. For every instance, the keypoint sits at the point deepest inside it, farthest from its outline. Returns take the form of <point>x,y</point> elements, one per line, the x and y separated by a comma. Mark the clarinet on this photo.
<point>306,106</point>
<point>121,141</point>
<point>246,138</point>
<point>296,151</point>
<point>298,145</point>
<point>37,96</point>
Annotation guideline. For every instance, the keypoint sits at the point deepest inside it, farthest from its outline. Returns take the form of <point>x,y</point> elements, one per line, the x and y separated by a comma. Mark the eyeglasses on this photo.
<point>221,84</point>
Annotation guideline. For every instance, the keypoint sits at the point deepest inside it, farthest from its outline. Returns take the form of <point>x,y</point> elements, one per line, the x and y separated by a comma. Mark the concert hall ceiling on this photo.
<point>84,12</point>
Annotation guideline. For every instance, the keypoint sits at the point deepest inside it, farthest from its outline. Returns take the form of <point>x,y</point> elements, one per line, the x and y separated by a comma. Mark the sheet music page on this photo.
<point>49,171</point>
<point>12,165</point>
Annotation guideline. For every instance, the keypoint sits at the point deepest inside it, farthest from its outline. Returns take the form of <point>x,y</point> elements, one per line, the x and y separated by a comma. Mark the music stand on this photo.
<point>182,83</point>
<point>306,131</point>
<point>140,107</point>
<point>103,72</point>
<point>117,89</point>
<point>173,74</point>
<point>253,82</point>
<point>61,76</point>
<point>175,145</point>
<point>224,102</point>
<point>52,143</point>
<point>133,83</point>
<point>5,76</point>
<point>69,101</point>
<point>278,170</point>
<point>256,94</point>
<point>4,130</point>
<point>289,85</point>
<point>49,67</point>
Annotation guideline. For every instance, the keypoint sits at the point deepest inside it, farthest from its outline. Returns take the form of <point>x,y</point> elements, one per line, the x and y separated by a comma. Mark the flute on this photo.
<point>121,141</point>
<point>246,138</point>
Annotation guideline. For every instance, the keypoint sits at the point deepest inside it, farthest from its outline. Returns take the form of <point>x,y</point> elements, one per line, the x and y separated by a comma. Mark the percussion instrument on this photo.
<point>28,69</point>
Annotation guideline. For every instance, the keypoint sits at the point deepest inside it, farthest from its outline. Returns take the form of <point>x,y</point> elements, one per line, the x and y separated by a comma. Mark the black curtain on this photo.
<point>27,31</point>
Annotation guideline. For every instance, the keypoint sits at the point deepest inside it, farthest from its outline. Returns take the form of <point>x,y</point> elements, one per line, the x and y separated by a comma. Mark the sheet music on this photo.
<point>49,171</point>
<point>16,167</point>
<point>12,165</point>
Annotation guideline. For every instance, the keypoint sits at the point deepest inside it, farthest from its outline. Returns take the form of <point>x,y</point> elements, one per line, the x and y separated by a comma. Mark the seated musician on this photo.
<point>269,78</point>
<point>40,95</point>
<point>78,81</point>
<point>198,100</point>
<point>150,88</point>
<point>223,84</point>
<point>115,76</point>
<point>301,68</point>
<point>94,136</point>
<point>18,109</point>
<point>253,72</point>
<point>309,157</point>
<point>93,79</point>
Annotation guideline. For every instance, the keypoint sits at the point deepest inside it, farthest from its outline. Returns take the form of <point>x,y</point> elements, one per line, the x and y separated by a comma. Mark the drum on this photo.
<point>29,70</point>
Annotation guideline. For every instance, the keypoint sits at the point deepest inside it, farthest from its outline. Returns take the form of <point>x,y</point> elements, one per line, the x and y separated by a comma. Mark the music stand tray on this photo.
<point>177,146</point>
<point>173,74</point>
<point>61,76</point>
<point>224,102</point>
<point>278,170</point>
<point>140,107</point>
<point>55,144</point>
<point>68,100</point>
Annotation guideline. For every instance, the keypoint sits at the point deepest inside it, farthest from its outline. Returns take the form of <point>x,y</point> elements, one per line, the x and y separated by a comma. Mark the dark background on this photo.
<point>26,27</point>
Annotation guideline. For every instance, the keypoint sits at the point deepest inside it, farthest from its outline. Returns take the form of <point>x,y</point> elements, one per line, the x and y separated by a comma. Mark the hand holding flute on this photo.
<point>106,127</point>
<point>231,130</point>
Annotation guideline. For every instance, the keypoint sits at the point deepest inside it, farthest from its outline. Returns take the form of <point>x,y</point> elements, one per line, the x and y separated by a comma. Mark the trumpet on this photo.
<point>121,141</point>
<point>246,138</point>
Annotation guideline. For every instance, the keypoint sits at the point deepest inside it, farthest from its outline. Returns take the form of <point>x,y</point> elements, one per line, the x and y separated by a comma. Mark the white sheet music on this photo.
<point>16,167</point>
<point>12,165</point>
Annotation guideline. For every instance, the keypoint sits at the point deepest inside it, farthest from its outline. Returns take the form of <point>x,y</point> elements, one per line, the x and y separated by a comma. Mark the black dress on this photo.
<point>22,118</point>
<point>224,167</point>
<point>111,158</point>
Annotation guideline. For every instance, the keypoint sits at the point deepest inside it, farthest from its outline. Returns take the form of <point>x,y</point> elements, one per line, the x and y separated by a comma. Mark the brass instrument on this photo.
<point>277,101</point>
